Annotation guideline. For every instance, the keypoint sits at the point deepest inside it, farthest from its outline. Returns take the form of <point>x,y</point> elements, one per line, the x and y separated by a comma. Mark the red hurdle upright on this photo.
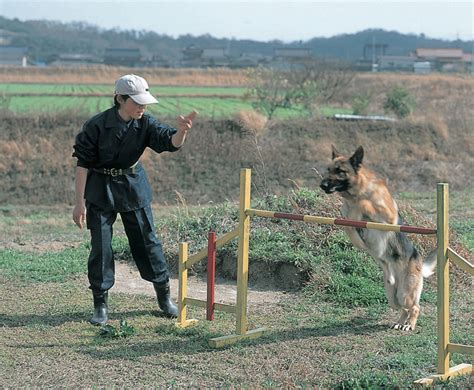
<point>211,273</point>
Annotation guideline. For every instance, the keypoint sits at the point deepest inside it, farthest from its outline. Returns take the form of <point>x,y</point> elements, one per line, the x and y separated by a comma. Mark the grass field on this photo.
<point>88,99</point>
<point>106,89</point>
<point>337,342</point>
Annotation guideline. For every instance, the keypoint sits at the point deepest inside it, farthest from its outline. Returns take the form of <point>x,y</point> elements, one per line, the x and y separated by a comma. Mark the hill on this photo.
<point>48,39</point>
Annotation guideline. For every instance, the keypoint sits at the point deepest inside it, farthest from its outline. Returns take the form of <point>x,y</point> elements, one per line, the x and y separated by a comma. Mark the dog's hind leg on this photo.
<point>411,315</point>
<point>414,287</point>
<point>391,294</point>
<point>412,318</point>
<point>409,300</point>
<point>389,284</point>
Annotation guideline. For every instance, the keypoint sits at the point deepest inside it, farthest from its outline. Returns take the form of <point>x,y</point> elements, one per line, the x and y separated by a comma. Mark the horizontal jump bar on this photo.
<point>340,221</point>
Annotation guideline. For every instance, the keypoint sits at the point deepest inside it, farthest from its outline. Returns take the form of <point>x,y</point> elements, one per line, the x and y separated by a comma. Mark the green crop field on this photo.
<point>16,88</point>
<point>210,102</point>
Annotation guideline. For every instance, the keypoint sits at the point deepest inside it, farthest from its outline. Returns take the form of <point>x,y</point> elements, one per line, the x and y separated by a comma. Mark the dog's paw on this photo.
<point>404,328</point>
<point>396,326</point>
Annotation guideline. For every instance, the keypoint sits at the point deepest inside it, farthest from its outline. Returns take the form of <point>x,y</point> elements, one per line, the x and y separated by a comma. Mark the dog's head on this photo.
<point>342,171</point>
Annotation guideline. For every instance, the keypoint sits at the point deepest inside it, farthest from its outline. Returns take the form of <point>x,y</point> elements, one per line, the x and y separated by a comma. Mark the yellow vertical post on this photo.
<point>183,283</point>
<point>243,252</point>
<point>442,274</point>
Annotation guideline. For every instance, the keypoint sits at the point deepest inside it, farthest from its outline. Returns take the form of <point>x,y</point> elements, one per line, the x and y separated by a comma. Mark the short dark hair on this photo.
<point>124,97</point>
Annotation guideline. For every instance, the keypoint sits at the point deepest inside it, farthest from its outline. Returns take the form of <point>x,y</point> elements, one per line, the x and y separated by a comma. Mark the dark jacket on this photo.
<point>106,141</point>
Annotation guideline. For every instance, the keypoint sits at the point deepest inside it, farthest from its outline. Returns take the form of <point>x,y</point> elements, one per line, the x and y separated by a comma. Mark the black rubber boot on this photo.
<point>164,300</point>
<point>100,308</point>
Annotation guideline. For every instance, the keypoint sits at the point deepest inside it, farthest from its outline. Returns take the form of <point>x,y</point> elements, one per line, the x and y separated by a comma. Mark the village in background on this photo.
<point>42,44</point>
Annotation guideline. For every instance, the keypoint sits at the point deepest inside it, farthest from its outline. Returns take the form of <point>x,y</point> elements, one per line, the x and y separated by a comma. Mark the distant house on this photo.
<point>468,59</point>
<point>447,59</point>
<point>422,67</point>
<point>396,63</point>
<point>292,53</point>
<point>248,60</point>
<point>289,57</point>
<point>122,57</point>
<point>14,55</point>
<point>441,55</point>
<point>158,61</point>
<point>75,60</point>
<point>191,52</point>
<point>194,56</point>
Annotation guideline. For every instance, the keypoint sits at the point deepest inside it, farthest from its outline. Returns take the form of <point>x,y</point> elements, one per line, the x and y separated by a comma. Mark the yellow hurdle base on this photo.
<point>460,369</point>
<point>219,342</point>
<point>222,341</point>
<point>186,323</point>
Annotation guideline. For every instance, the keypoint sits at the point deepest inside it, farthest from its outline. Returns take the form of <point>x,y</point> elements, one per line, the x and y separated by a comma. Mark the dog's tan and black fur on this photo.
<point>367,198</point>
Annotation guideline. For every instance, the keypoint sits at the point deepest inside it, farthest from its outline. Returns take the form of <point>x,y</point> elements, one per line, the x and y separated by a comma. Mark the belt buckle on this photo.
<point>115,172</point>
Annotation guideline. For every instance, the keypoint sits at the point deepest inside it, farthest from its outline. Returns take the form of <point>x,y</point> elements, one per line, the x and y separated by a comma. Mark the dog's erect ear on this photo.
<point>335,153</point>
<point>356,158</point>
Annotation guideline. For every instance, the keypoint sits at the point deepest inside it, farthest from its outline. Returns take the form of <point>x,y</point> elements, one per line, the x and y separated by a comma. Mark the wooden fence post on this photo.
<point>183,283</point>
<point>243,252</point>
<point>442,274</point>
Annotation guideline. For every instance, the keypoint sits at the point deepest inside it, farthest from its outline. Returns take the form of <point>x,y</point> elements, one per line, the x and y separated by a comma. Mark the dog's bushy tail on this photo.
<point>429,264</point>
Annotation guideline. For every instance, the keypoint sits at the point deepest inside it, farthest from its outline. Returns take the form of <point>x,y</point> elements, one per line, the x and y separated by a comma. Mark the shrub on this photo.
<point>399,102</point>
<point>360,104</point>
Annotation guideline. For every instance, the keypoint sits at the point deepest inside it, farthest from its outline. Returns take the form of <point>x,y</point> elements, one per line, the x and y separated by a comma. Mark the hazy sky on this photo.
<point>258,20</point>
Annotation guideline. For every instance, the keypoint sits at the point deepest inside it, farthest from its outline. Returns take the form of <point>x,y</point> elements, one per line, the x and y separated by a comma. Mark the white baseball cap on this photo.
<point>136,87</point>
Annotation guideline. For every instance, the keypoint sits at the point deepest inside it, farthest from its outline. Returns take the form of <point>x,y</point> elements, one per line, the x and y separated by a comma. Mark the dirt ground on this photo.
<point>128,280</point>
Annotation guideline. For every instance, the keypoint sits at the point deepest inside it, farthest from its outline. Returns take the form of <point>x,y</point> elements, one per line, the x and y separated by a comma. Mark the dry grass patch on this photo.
<point>107,75</point>
<point>251,121</point>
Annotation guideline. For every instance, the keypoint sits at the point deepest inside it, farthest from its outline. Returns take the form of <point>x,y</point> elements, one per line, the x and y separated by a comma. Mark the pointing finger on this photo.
<point>192,115</point>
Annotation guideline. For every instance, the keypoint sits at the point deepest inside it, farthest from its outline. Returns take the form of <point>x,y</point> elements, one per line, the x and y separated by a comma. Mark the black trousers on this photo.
<point>144,244</point>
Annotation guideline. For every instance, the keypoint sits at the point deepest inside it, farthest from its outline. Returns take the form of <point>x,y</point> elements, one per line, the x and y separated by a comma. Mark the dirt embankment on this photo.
<point>37,167</point>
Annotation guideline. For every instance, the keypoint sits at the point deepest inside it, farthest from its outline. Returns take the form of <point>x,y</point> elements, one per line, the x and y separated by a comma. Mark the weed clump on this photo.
<point>110,331</point>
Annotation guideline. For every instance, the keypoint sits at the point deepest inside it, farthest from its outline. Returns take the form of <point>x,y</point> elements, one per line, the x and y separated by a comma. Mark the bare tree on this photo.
<point>320,81</point>
<point>307,84</point>
<point>270,90</point>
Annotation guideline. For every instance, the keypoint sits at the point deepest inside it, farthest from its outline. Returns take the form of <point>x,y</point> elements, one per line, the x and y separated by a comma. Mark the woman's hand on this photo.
<point>79,215</point>
<point>184,124</point>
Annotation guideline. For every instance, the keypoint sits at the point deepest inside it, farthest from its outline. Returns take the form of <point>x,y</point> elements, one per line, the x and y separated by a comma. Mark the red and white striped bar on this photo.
<point>340,221</point>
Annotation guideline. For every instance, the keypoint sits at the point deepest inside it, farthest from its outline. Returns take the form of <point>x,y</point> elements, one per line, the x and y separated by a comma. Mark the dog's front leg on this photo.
<point>355,238</point>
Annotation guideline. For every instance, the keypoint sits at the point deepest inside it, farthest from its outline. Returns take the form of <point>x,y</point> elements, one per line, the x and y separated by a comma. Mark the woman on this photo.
<point>110,180</point>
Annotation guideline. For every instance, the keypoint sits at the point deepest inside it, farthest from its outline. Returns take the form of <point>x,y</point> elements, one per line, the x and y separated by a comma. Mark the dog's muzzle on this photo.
<point>326,186</point>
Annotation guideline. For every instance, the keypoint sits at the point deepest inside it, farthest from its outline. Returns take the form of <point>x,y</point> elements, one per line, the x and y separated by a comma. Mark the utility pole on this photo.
<point>373,53</point>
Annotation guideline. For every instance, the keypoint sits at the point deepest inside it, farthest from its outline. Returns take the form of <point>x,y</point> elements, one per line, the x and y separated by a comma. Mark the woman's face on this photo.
<point>131,110</point>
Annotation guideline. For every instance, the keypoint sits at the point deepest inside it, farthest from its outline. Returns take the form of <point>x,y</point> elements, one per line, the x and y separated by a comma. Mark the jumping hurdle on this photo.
<point>445,348</point>
<point>445,253</point>
<point>240,309</point>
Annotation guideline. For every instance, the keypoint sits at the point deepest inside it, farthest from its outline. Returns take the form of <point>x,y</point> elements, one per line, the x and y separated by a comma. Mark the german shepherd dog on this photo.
<point>367,198</point>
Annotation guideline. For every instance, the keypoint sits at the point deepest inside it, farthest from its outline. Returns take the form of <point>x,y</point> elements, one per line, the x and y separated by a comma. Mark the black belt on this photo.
<point>116,171</point>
